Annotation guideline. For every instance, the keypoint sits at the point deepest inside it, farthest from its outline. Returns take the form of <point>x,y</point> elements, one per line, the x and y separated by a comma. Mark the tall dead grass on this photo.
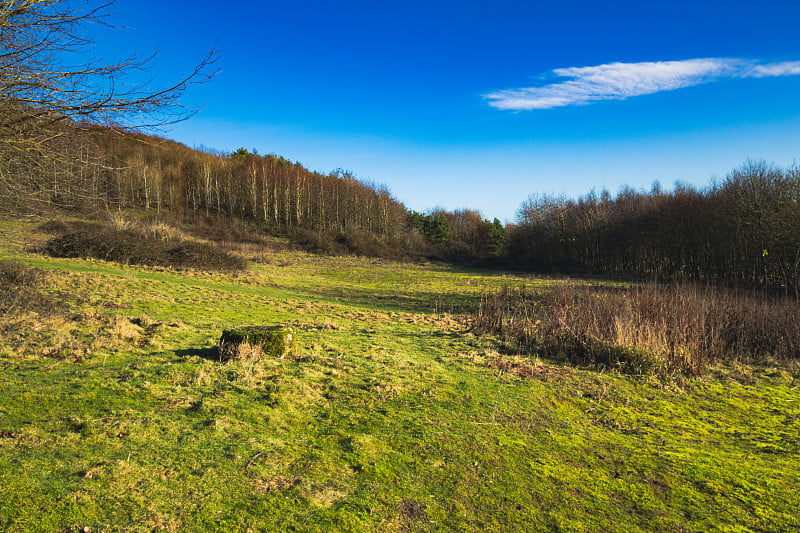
<point>680,328</point>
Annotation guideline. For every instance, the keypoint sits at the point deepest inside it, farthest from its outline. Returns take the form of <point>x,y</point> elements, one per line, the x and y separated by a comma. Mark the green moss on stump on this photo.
<point>274,341</point>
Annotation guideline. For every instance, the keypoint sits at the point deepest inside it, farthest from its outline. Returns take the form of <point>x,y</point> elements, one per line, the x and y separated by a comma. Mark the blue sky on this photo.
<point>479,104</point>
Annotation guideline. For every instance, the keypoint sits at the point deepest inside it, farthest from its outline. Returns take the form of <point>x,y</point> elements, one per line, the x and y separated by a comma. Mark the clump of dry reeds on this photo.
<point>680,328</point>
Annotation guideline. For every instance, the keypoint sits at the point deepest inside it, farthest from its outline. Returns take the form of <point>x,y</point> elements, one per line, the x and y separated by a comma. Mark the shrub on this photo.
<point>135,246</point>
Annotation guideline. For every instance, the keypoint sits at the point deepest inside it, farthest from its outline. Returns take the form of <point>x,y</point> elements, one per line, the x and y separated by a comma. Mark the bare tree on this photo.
<point>45,75</point>
<point>49,85</point>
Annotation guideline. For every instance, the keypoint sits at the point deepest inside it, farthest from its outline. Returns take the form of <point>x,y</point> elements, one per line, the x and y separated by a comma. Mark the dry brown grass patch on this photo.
<point>275,483</point>
<point>125,329</point>
<point>34,336</point>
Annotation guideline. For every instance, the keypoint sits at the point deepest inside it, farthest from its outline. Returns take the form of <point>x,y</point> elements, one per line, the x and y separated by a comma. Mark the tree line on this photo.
<point>743,231</point>
<point>100,169</point>
<point>464,232</point>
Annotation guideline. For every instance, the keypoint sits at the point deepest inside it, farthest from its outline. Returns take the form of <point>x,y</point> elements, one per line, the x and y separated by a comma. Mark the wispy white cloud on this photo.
<point>618,81</point>
<point>787,68</point>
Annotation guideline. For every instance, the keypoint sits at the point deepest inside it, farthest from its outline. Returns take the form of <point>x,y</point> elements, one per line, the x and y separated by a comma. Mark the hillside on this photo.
<point>94,171</point>
<point>116,414</point>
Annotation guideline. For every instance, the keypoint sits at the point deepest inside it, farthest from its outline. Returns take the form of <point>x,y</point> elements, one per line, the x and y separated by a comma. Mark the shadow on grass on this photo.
<point>409,302</point>
<point>412,300</point>
<point>212,354</point>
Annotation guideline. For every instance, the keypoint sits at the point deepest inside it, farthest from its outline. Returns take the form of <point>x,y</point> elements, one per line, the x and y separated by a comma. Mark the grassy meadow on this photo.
<point>117,415</point>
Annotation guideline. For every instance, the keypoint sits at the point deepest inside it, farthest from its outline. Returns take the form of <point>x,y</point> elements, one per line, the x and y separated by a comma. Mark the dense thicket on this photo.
<point>21,290</point>
<point>743,231</point>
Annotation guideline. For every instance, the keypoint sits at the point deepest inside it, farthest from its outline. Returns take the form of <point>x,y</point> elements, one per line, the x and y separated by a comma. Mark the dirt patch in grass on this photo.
<point>276,483</point>
<point>524,367</point>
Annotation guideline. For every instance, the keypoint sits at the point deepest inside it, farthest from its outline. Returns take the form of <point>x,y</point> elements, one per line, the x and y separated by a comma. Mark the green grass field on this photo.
<point>116,414</point>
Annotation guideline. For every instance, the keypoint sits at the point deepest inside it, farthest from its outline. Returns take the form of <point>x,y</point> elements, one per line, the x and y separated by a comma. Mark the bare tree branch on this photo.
<point>45,75</point>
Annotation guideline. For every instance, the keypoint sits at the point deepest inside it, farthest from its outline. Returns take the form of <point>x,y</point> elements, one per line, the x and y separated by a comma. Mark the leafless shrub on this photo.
<point>150,246</point>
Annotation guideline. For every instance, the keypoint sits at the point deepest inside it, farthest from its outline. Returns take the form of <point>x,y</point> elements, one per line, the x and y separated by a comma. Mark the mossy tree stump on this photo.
<point>271,341</point>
